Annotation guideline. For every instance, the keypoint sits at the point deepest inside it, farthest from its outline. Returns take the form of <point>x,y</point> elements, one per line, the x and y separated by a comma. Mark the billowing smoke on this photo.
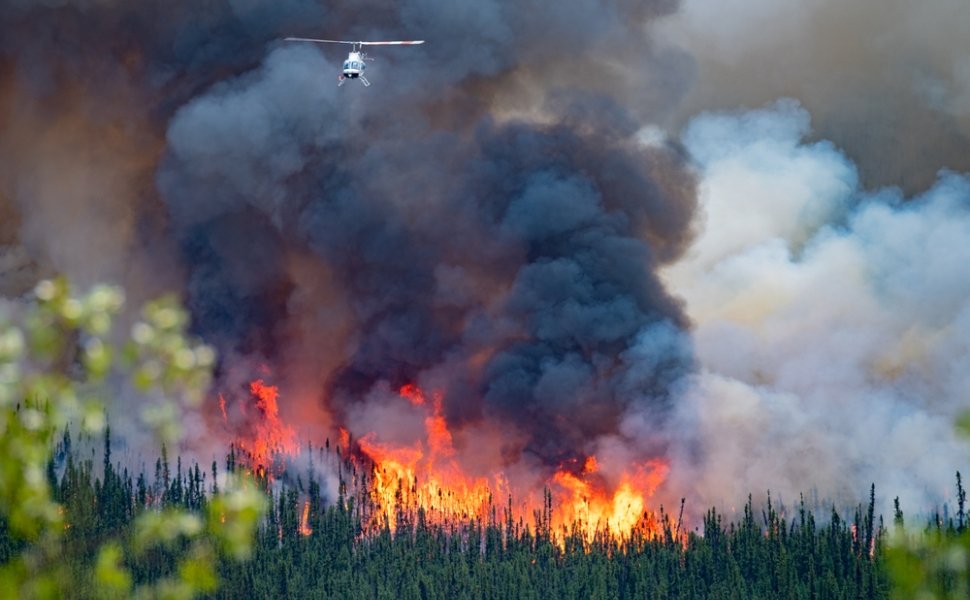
<point>499,218</point>
<point>519,255</point>
<point>484,220</point>
<point>830,322</point>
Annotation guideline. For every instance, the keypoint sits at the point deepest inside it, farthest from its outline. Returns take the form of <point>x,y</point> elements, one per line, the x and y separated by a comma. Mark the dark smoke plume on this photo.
<point>484,217</point>
<point>533,244</point>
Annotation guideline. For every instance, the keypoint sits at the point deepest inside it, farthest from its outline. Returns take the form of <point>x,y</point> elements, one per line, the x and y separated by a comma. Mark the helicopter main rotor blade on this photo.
<point>397,43</point>
<point>302,39</point>
<point>319,41</point>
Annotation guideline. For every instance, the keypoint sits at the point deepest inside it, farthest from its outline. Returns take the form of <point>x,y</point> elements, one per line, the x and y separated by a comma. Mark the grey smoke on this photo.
<point>888,80</point>
<point>830,322</point>
<point>550,231</point>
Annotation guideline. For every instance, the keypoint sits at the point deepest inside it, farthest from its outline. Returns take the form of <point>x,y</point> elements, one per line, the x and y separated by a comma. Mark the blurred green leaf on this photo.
<point>109,572</point>
<point>55,355</point>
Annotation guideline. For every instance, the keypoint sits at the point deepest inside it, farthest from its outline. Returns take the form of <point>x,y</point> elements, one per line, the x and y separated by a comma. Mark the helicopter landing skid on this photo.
<point>364,81</point>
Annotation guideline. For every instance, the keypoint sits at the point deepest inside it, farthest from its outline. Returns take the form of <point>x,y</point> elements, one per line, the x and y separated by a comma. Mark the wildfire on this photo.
<point>590,508</point>
<point>425,475</point>
<point>304,527</point>
<point>266,434</point>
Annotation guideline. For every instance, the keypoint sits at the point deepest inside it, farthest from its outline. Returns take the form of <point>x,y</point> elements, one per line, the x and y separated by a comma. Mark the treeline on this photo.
<point>310,548</point>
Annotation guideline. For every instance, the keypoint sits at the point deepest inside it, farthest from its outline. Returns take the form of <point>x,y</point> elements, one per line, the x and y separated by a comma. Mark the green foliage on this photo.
<point>334,553</point>
<point>56,353</point>
<point>763,555</point>
<point>933,563</point>
<point>109,571</point>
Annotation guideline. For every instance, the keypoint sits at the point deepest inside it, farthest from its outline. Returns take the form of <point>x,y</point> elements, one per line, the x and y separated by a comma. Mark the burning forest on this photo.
<point>576,262</point>
<point>395,481</point>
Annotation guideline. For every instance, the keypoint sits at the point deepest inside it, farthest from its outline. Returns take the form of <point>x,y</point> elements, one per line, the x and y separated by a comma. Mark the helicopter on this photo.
<point>354,65</point>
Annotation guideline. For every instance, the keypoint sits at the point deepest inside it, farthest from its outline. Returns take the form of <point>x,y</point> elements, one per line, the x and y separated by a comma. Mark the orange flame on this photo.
<point>344,440</point>
<point>304,526</point>
<point>587,506</point>
<point>407,478</point>
<point>412,394</point>
<point>426,476</point>
<point>269,436</point>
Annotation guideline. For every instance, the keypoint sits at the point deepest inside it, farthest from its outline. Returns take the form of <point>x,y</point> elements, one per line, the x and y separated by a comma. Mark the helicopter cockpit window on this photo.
<point>347,65</point>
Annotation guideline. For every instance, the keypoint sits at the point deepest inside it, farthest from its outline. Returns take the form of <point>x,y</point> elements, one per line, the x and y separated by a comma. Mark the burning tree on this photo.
<point>425,479</point>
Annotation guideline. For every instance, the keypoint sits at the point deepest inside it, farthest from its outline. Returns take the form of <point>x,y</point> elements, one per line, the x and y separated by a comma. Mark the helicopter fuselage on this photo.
<point>354,65</point>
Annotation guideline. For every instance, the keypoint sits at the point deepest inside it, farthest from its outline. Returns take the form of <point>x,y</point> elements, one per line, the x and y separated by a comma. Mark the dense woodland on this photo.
<point>309,548</point>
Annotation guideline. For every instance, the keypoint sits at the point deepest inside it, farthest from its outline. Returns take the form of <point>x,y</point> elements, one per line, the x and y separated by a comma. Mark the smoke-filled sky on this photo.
<point>831,322</point>
<point>712,232</point>
<point>886,80</point>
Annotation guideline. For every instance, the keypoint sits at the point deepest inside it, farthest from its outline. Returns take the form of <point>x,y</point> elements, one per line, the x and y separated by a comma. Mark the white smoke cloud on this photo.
<point>831,323</point>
